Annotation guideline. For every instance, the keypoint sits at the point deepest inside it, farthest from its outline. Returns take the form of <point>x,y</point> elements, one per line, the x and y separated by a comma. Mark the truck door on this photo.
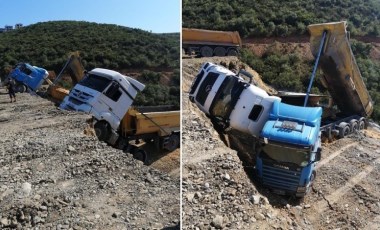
<point>113,98</point>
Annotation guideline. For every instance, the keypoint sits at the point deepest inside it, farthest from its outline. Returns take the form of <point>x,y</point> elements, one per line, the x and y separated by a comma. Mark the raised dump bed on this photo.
<point>341,76</point>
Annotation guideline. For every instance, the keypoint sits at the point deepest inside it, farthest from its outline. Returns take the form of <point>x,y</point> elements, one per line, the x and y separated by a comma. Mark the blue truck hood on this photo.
<point>293,124</point>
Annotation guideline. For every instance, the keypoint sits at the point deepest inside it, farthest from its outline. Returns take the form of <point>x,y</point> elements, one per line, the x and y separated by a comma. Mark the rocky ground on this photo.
<point>54,176</point>
<point>219,189</point>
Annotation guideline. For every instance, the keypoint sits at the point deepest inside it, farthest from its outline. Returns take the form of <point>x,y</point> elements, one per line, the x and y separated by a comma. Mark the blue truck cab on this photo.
<point>28,76</point>
<point>290,147</point>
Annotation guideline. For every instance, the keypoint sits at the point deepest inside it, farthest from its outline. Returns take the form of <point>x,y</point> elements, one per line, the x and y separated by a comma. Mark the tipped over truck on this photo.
<point>31,78</point>
<point>108,96</point>
<point>287,138</point>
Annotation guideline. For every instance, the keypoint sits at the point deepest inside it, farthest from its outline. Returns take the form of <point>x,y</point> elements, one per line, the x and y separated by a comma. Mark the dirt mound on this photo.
<point>221,191</point>
<point>54,176</point>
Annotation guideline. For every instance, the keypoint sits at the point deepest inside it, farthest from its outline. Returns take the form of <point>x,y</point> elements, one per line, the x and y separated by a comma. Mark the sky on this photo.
<point>158,16</point>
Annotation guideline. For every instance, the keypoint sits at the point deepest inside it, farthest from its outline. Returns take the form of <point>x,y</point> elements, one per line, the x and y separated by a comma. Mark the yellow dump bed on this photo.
<point>75,69</point>
<point>58,92</point>
<point>161,122</point>
<point>210,37</point>
<point>341,73</point>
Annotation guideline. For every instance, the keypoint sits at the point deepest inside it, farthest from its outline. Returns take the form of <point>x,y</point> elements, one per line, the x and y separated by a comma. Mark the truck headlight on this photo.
<point>301,189</point>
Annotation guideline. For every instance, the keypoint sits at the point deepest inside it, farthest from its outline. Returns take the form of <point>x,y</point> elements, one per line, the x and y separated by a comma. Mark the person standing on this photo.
<point>11,89</point>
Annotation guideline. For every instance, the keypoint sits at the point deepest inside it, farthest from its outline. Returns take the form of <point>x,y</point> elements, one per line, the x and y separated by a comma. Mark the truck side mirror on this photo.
<point>318,154</point>
<point>247,74</point>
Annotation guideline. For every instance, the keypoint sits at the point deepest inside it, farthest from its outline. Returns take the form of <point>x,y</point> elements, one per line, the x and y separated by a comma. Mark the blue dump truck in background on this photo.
<point>28,76</point>
<point>287,134</point>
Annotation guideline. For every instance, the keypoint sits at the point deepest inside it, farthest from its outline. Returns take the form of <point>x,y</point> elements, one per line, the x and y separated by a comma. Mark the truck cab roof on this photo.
<point>118,77</point>
<point>293,124</point>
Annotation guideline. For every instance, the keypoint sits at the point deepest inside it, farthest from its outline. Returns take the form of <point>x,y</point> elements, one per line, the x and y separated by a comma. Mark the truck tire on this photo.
<point>354,125</point>
<point>220,51</point>
<point>172,143</point>
<point>206,51</point>
<point>20,88</point>
<point>141,155</point>
<point>361,125</point>
<point>232,52</point>
<point>102,130</point>
<point>344,129</point>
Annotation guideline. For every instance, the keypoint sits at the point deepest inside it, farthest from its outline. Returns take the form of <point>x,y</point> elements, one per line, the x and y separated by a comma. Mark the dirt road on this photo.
<point>219,189</point>
<point>54,176</point>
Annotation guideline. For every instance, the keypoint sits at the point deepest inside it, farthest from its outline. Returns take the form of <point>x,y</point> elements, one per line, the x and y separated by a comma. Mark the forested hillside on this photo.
<point>267,18</point>
<point>114,47</point>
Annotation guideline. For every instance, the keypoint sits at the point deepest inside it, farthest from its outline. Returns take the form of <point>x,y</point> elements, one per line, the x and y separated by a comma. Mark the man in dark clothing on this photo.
<point>11,90</point>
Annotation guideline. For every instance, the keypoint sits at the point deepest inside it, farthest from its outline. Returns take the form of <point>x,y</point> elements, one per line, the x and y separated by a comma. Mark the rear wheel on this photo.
<point>102,130</point>
<point>206,51</point>
<point>344,129</point>
<point>20,88</point>
<point>361,125</point>
<point>220,51</point>
<point>232,52</point>
<point>354,125</point>
<point>172,143</point>
<point>141,155</point>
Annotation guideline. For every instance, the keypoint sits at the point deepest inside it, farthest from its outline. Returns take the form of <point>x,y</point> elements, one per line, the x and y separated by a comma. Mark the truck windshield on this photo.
<point>226,97</point>
<point>279,153</point>
<point>95,82</point>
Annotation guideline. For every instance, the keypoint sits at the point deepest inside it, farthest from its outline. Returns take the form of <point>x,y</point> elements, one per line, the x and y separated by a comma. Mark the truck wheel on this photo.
<point>232,52</point>
<point>206,51</point>
<point>141,155</point>
<point>102,130</point>
<point>172,143</point>
<point>220,51</point>
<point>20,88</point>
<point>354,125</point>
<point>361,124</point>
<point>344,129</point>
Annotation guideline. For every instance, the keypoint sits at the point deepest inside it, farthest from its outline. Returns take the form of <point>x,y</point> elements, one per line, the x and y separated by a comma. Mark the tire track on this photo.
<point>337,194</point>
<point>335,154</point>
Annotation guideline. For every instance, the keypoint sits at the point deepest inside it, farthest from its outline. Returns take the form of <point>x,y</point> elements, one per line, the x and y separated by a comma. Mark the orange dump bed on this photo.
<point>210,37</point>
<point>163,123</point>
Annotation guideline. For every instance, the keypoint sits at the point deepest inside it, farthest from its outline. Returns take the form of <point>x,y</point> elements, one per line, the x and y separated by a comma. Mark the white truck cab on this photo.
<point>228,98</point>
<point>106,94</point>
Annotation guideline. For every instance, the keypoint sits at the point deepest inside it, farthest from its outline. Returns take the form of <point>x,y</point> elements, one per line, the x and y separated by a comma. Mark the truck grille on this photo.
<point>75,101</point>
<point>281,179</point>
<point>81,95</point>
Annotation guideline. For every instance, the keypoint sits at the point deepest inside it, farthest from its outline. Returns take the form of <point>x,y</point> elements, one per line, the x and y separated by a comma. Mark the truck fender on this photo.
<point>113,121</point>
<point>105,133</point>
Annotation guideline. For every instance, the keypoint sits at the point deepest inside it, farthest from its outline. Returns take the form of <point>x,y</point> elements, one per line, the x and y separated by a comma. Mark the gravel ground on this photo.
<point>54,176</point>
